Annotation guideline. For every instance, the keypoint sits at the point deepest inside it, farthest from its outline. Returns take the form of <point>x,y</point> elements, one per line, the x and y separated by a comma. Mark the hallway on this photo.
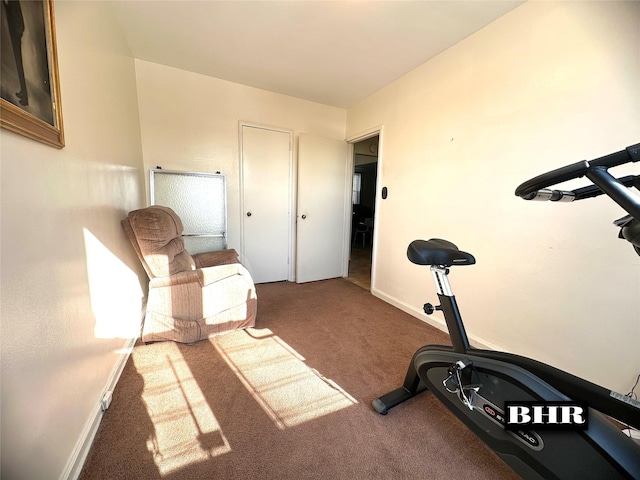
<point>360,266</point>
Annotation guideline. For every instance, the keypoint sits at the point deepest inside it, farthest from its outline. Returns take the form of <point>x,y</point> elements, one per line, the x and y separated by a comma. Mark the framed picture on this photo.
<point>29,86</point>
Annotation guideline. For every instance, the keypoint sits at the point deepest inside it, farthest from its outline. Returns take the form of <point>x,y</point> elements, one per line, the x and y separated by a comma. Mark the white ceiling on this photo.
<point>331,52</point>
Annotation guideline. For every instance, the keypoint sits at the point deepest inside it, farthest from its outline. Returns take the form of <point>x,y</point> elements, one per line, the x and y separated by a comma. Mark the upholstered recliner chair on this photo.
<point>190,297</point>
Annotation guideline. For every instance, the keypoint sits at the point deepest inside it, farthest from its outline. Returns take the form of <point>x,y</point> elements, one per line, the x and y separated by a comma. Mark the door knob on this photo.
<point>248,214</point>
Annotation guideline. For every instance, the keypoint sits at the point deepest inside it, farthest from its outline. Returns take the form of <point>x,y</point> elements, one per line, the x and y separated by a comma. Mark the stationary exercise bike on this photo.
<point>476,384</point>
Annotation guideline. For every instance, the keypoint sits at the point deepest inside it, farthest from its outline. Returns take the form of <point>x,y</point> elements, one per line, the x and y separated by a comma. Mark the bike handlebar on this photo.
<point>596,171</point>
<point>531,187</point>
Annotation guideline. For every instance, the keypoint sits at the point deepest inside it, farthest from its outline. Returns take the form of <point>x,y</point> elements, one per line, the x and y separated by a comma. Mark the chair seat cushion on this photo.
<point>195,305</point>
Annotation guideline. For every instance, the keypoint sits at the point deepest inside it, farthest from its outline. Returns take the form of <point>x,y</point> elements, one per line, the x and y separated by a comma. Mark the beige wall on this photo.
<point>548,84</point>
<point>70,286</point>
<point>190,122</point>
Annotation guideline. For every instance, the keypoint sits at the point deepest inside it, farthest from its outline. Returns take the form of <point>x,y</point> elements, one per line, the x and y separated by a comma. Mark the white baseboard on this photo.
<point>83,445</point>
<point>436,320</point>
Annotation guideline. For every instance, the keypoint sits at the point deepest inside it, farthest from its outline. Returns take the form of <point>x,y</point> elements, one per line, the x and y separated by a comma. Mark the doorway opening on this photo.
<point>365,172</point>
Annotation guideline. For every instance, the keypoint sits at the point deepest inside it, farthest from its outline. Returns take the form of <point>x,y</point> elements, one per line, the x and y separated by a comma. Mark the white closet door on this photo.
<point>266,202</point>
<point>322,200</point>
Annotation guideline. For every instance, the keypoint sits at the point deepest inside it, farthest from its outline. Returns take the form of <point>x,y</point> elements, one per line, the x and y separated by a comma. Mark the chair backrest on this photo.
<point>155,233</point>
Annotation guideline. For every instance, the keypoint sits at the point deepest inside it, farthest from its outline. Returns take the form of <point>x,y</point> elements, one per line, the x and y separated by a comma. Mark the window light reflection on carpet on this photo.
<point>288,390</point>
<point>185,429</point>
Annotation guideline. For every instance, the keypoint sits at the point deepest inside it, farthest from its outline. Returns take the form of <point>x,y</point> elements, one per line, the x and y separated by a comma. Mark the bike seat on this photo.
<point>437,252</point>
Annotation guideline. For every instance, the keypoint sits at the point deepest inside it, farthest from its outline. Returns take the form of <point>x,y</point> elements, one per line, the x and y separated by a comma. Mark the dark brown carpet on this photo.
<point>289,399</point>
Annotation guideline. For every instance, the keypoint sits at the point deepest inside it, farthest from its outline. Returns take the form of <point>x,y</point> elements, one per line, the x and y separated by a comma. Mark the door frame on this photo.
<point>291,195</point>
<point>363,135</point>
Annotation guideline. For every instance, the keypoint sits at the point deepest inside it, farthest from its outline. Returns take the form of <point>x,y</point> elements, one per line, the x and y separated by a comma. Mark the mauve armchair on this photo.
<point>190,297</point>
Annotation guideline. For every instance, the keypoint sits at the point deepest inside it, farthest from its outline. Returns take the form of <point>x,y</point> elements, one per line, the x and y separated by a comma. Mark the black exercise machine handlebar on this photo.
<point>595,170</point>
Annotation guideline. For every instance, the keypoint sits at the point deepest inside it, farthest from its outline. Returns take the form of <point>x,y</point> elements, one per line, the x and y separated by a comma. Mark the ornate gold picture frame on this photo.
<point>29,85</point>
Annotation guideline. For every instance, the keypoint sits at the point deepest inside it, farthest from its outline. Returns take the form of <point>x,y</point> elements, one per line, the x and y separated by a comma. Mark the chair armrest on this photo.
<point>201,276</point>
<point>219,257</point>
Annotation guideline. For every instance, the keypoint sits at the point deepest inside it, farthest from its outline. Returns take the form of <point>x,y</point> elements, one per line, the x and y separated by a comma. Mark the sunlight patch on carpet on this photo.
<point>275,374</point>
<point>185,429</point>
